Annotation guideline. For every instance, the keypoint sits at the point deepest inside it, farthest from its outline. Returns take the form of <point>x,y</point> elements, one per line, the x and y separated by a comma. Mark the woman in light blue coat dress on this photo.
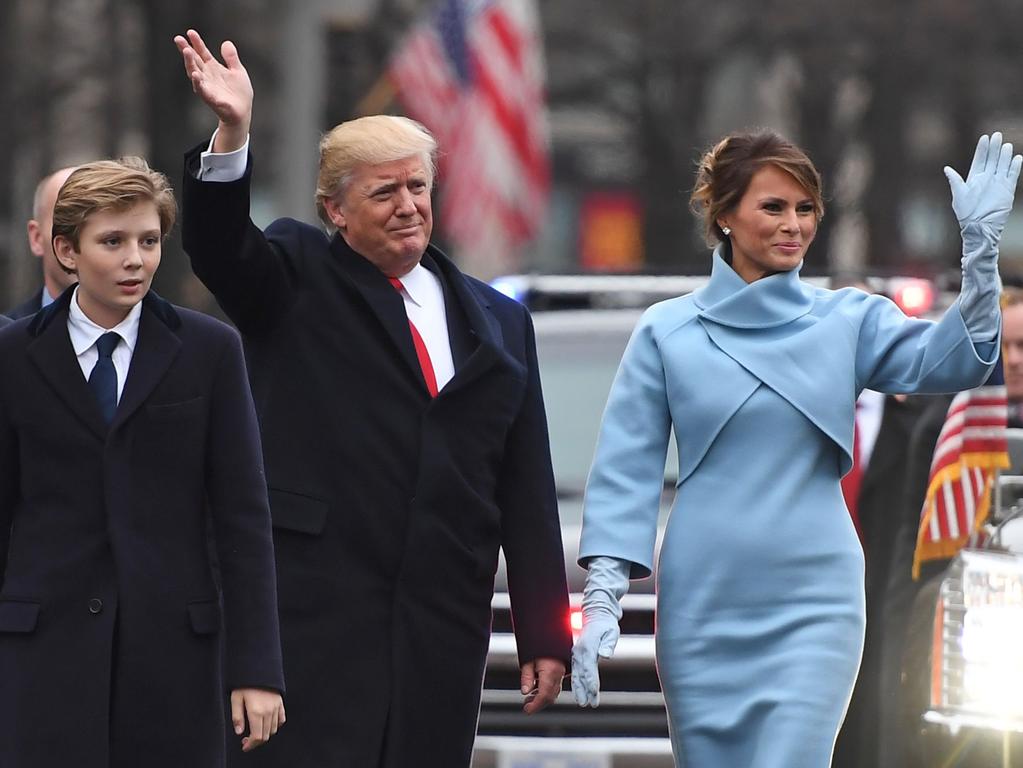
<point>760,604</point>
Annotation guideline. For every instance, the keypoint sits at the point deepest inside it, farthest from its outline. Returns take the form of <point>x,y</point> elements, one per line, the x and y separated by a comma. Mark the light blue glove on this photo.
<point>982,204</point>
<point>606,584</point>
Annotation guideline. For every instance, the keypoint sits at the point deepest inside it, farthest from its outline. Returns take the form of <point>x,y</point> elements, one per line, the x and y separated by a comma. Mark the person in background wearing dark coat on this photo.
<point>898,722</point>
<point>405,439</point>
<point>126,424</point>
<point>872,489</point>
<point>1012,352</point>
<point>40,241</point>
<point>880,492</point>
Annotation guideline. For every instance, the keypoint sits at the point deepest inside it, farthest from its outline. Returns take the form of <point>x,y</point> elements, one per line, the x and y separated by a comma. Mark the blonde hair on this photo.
<point>110,185</point>
<point>369,141</point>
<point>725,171</point>
<point>1011,296</point>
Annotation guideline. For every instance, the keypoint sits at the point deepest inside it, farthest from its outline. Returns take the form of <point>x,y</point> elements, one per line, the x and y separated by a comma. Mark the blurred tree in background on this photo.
<point>881,94</point>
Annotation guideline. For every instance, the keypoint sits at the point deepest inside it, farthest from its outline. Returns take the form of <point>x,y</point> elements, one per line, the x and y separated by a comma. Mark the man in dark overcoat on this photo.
<point>879,504</point>
<point>117,645</point>
<point>39,229</point>
<point>405,442</point>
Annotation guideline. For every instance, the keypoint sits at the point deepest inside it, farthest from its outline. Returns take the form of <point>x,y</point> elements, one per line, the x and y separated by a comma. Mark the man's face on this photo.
<point>118,253</point>
<point>40,233</point>
<point>1012,346</point>
<point>385,214</point>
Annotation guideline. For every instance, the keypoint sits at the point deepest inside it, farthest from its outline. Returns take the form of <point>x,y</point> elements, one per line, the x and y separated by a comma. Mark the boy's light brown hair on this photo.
<point>111,185</point>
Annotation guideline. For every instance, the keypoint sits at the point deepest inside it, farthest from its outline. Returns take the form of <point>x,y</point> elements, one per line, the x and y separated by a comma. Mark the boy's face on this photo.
<point>118,253</point>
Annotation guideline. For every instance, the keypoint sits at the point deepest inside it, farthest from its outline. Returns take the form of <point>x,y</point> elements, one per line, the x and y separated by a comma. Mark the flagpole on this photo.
<point>377,98</point>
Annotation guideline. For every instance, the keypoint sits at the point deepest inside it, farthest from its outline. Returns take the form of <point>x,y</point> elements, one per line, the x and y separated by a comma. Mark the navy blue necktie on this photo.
<point>103,379</point>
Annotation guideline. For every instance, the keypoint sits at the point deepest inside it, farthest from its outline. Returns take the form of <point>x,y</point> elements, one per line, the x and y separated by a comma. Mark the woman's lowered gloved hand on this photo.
<point>606,583</point>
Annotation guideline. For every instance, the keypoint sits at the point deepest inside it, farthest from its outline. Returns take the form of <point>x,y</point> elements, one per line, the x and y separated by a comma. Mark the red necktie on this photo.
<point>851,482</point>
<point>421,351</point>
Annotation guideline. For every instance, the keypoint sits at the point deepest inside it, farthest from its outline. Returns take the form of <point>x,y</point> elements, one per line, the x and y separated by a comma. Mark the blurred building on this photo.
<point>882,95</point>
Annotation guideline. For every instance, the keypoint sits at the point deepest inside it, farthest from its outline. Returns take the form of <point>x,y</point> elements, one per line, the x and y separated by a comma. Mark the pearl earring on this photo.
<point>726,230</point>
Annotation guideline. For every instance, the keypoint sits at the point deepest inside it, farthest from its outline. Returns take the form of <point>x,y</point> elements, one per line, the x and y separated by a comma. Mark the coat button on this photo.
<point>95,605</point>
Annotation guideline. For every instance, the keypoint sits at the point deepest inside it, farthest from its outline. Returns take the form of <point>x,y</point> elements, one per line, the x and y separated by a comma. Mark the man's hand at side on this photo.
<point>262,709</point>
<point>541,683</point>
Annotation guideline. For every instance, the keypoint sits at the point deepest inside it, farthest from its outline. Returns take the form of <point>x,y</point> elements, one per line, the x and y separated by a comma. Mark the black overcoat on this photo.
<point>880,502</point>
<point>27,308</point>
<point>110,617</point>
<point>389,507</point>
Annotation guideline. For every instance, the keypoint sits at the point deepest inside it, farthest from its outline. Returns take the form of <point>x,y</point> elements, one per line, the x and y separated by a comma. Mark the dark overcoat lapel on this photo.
<point>154,355</point>
<point>56,363</point>
<point>476,334</point>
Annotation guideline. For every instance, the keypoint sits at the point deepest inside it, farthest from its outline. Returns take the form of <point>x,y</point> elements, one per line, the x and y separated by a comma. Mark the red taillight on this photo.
<point>915,297</point>
<point>575,620</point>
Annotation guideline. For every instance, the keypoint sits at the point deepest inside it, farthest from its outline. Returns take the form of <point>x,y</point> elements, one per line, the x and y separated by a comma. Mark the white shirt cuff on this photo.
<point>223,166</point>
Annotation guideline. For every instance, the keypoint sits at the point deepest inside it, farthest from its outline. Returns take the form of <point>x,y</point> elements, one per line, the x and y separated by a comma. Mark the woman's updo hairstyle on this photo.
<point>725,171</point>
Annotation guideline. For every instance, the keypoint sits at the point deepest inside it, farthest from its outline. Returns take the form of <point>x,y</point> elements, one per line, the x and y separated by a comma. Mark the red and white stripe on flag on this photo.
<point>473,74</point>
<point>970,449</point>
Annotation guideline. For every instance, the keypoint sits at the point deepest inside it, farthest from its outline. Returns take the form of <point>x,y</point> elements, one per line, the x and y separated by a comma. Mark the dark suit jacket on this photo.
<point>898,736</point>
<point>389,506</point>
<point>27,308</point>
<point>110,618</point>
<point>4,320</point>
<point>880,508</point>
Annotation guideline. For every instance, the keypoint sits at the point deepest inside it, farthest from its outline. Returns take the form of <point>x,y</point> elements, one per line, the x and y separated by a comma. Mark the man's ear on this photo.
<point>335,213</point>
<point>35,238</point>
<point>65,252</point>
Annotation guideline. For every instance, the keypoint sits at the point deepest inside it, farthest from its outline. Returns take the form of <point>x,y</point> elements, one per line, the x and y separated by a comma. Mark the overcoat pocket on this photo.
<point>204,616</point>
<point>175,411</point>
<point>297,512</point>
<point>18,615</point>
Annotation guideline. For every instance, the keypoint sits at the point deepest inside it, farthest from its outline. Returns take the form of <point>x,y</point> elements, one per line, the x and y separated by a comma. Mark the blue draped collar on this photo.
<point>765,303</point>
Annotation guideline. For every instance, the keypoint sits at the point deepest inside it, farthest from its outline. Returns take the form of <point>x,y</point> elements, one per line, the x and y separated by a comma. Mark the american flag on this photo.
<point>473,74</point>
<point>971,449</point>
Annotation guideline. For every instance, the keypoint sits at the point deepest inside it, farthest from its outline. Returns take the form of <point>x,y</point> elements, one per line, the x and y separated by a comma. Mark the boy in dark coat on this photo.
<point>126,426</point>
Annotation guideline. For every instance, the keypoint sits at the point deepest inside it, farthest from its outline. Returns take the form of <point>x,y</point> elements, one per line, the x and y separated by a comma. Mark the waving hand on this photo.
<point>982,204</point>
<point>224,87</point>
<point>986,196</point>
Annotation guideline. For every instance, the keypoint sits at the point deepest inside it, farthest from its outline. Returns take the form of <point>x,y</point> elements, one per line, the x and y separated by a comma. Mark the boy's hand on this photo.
<point>264,711</point>
<point>225,88</point>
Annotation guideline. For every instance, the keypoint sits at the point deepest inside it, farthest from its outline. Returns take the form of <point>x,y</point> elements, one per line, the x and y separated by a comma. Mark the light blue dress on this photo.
<point>760,607</point>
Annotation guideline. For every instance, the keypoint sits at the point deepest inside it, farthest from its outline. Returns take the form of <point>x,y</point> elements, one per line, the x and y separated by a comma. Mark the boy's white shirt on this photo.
<point>84,333</point>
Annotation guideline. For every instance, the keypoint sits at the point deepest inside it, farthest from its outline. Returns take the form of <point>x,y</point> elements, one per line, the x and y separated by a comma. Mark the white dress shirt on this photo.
<point>424,305</point>
<point>84,333</point>
<point>869,412</point>
<point>423,295</point>
<point>223,166</point>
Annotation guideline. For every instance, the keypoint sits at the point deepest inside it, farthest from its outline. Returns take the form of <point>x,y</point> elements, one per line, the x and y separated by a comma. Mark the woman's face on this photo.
<point>772,225</point>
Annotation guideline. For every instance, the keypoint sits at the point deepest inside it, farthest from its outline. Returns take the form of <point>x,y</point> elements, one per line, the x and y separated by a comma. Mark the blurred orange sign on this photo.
<point>610,232</point>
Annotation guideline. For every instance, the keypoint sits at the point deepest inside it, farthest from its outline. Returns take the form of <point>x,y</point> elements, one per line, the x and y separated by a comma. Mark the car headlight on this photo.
<point>977,655</point>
